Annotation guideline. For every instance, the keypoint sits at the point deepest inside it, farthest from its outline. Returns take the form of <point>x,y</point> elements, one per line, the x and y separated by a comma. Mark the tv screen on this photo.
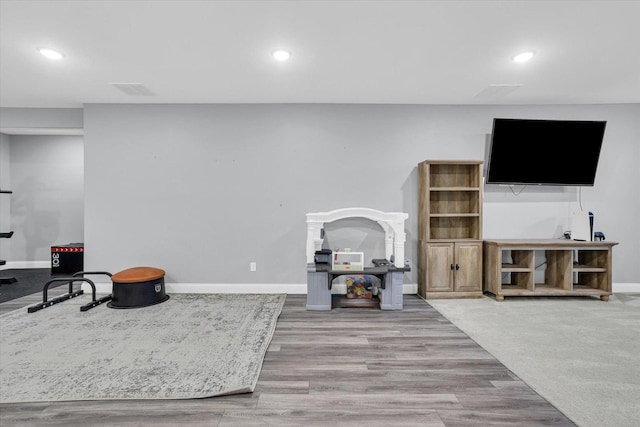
<point>544,152</point>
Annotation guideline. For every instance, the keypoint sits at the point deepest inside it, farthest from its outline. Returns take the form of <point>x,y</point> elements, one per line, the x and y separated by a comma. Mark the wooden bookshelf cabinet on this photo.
<point>570,268</point>
<point>450,229</point>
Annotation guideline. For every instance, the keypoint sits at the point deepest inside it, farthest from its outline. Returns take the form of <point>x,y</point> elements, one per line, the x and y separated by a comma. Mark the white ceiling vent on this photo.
<point>494,92</point>
<point>133,89</point>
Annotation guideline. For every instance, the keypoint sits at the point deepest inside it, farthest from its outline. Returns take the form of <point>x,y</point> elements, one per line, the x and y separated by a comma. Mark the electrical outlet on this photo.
<point>252,266</point>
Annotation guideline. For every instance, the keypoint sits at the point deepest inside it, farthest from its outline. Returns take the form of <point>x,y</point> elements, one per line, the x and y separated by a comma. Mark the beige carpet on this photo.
<point>581,354</point>
<point>190,346</point>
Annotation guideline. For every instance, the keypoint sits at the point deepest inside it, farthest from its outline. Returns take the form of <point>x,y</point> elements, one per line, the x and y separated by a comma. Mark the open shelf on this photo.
<point>454,227</point>
<point>454,201</point>
<point>452,174</point>
<point>450,199</point>
<point>342,301</point>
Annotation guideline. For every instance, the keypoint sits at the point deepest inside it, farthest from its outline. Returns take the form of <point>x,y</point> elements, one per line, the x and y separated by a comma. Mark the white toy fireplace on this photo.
<point>320,274</point>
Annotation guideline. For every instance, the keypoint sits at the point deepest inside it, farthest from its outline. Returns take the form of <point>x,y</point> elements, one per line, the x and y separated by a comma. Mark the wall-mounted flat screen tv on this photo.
<point>544,152</point>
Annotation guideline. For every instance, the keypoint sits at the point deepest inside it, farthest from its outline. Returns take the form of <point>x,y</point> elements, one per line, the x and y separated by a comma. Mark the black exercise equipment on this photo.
<point>67,259</point>
<point>6,235</point>
<point>138,287</point>
<point>132,288</point>
<point>77,277</point>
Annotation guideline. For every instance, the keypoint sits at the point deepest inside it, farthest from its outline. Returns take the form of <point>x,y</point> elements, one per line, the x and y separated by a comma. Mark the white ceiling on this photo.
<point>395,52</point>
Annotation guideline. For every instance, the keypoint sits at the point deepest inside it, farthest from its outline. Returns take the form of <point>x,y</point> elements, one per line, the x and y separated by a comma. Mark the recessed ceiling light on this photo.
<point>523,57</point>
<point>51,54</point>
<point>281,54</point>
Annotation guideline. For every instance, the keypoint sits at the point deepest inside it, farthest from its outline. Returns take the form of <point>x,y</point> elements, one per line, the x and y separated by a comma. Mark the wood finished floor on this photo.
<point>344,367</point>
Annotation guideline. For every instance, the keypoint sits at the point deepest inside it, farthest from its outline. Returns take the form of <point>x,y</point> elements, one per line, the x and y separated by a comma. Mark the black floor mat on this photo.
<point>28,281</point>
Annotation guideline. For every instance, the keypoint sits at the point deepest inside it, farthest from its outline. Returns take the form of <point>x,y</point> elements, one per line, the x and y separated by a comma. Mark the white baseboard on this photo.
<point>235,288</point>
<point>625,287</point>
<point>26,264</point>
<point>251,288</point>
<point>248,288</point>
<point>216,288</point>
<point>275,288</point>
<point>410,288</point>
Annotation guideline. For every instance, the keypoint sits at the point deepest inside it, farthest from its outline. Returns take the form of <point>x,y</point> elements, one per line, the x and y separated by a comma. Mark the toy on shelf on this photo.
<point>359,286</point>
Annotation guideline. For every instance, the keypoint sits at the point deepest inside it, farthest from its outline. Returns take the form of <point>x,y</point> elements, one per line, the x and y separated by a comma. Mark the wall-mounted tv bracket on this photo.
<point>71,293</point>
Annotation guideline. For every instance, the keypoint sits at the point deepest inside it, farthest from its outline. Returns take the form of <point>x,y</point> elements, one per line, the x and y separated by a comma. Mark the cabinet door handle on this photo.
<point>457,267</point>
<point>451,267</point>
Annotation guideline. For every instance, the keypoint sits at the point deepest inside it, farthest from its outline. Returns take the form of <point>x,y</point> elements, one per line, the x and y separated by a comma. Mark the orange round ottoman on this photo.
<point>138,287</point>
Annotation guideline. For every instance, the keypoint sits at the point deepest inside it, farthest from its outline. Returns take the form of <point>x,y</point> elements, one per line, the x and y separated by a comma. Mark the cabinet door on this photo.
<point>468,266</point>
<point>439,267</point>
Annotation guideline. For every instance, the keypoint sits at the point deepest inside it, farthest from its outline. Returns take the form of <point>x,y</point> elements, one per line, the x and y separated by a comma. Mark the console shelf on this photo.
<point>570,268</point>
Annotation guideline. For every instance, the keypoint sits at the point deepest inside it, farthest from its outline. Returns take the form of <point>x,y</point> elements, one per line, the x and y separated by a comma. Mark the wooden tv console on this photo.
<point>571,268</point>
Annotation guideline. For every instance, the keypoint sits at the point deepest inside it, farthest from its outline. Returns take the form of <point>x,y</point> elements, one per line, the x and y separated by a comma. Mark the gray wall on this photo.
<point>47,204</point>
<point>203,190</point>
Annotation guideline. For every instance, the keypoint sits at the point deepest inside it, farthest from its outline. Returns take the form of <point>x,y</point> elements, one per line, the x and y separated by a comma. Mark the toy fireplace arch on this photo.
<point>319,277</point>
<point>391,222</point>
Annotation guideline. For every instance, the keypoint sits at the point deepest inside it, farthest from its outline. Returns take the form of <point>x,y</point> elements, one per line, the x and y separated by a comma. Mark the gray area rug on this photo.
<point>191,346</point>
<point>581,354</point>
